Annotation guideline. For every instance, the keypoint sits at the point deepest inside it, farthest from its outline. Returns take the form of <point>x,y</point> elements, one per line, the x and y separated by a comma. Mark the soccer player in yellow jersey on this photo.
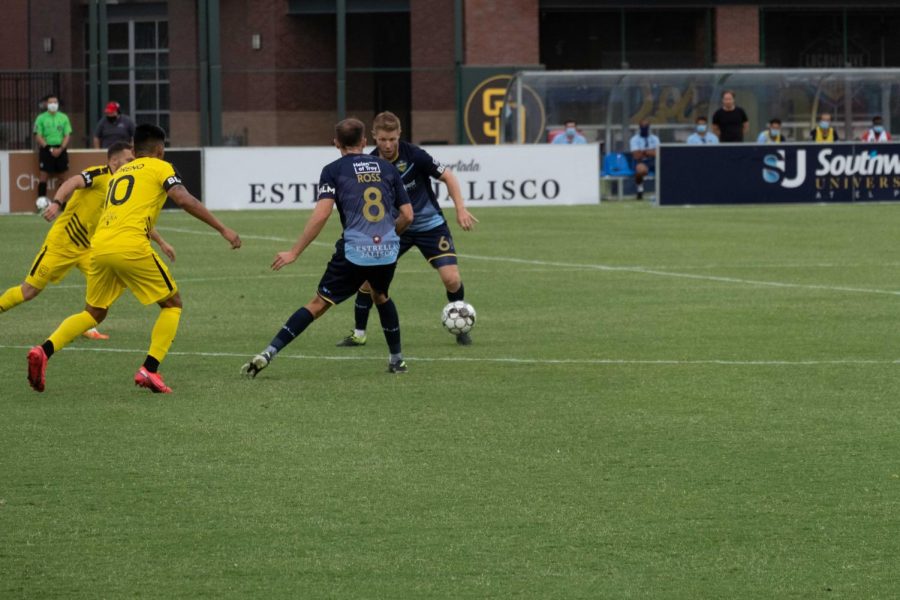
<point>122,257</point>
<point>68,243</point>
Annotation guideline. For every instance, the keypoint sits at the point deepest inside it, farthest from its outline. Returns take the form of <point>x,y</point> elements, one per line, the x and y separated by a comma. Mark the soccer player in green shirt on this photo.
<point>52,131</point>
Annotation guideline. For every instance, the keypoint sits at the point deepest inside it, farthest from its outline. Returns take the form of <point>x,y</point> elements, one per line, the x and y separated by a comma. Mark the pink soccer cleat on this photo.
<point>37,368</point>
<point>151,381</point>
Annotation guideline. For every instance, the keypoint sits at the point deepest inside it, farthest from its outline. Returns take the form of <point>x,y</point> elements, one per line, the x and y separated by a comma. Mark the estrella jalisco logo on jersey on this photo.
<point>489,103</point>
<point>367,172</point>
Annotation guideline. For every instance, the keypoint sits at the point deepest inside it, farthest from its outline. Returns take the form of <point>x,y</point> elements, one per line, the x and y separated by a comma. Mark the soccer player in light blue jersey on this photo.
<point>368,193</point>
<point>428,232</point>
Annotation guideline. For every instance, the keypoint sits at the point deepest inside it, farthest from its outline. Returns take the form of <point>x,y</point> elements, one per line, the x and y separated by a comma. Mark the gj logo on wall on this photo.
<point>484,113</point>
<point>775,170</point>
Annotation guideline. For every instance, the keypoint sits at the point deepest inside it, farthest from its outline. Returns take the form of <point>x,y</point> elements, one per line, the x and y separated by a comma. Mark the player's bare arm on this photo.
<point>465,219</point>
<point>65,191</point>
<point>311,231</point>
<point>165,246</point>
<point>186,201</point>
<point>404,219</point>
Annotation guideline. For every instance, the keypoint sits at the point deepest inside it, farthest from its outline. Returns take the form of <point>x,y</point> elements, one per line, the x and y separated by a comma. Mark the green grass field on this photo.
<point>660,403</point>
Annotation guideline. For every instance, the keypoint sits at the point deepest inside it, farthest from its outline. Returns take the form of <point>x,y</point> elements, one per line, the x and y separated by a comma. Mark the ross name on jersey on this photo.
<point>367,171</point>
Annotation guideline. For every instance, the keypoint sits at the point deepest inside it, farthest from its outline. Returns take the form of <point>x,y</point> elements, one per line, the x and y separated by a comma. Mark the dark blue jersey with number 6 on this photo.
<point>368,192</point>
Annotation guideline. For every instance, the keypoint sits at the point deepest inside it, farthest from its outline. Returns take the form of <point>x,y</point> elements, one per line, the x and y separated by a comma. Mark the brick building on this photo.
<point>275,81</point>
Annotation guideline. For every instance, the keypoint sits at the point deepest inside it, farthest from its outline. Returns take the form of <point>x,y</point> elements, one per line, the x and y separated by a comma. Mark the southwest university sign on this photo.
<point>778,173</point>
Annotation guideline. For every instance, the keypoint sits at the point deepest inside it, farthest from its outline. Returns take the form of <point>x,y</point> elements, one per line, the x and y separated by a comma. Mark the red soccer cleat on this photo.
<point>37,368</point>
<point>151,381</point>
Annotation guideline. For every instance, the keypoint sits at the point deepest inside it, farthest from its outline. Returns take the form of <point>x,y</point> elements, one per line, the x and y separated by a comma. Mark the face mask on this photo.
<point>645,131</point>
<point>878,128</point>
<point>111,118</point>
<point>774,132</point>
<point>52,106</point>
<point>570,131</point>
<point>824,124</point>
<point>701,128</point>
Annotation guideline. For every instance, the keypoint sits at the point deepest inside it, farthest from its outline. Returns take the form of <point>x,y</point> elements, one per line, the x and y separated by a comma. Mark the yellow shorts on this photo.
<point>147,277</point>
<point>52,263</point>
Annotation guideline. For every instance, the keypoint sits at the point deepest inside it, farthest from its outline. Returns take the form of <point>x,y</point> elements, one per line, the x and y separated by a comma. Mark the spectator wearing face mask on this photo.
<point>113,127</point>
<point>52,131</point>
<point>702,134</point>
<point>570,135</point>
<point>771,135</point>
<point>643,150</point>
<point>877,132</point>
<point>824,133</point>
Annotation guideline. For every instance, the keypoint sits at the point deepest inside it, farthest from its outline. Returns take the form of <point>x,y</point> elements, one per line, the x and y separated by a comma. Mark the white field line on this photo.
<point>511,360</point>
<point>626,269</point>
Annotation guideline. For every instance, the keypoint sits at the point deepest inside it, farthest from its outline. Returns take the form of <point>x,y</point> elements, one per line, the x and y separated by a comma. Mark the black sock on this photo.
<point>151,364</point>
<point>390,323</point>
<point>42,188</point>
<point>48,348</point>
<point>293,327</point>
<point>361,309</point>
<point>458,294</point>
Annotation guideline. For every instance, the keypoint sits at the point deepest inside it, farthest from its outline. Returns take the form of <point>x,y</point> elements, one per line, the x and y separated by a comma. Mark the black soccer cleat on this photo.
<point>352,340</point>
<point>398,367</point>
<point>464,339</point>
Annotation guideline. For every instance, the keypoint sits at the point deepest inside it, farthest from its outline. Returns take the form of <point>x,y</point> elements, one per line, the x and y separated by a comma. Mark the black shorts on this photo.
<point>436,245</point>
<point>53,164</point>
<point>343,278</point>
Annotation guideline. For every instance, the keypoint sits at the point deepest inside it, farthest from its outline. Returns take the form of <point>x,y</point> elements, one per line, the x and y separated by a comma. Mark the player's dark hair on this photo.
<point>147,137</point>
<point>349,133</point>
<point>775,121</point>
<point>116,148</point>
<point>386,121</point>
<point>700,118</point>
<point>572,121</point>
<point>733,95</point>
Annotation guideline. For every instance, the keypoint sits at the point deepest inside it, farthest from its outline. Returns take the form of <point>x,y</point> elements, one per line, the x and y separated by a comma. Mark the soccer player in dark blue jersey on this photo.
<point>374,210</point>
<point>429,231</point>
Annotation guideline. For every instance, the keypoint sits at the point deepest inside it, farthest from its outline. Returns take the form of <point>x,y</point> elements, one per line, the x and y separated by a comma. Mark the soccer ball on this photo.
<point>41,204</point>
<point>458,317</point>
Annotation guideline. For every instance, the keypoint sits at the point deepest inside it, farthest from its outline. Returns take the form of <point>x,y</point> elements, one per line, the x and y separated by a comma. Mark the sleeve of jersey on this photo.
<point>89,176</point>
<point>327,186</point>
<point>170,177</point>
<point>429,164</point>
<point>401,197</point>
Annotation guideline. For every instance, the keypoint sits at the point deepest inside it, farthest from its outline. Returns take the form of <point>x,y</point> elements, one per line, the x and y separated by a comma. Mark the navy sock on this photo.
<point>48,348</point>
<point>459,294</point>
<point>294,326</point>
<point>361,309</point>
<point>390,323</point>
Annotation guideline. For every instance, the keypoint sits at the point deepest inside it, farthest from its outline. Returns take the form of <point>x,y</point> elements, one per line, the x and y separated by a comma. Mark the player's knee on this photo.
<point>365,289</point>
<point>29,292</point>
<point>641,169</point>
<point>317,307</point>
<point>380,297</point>
<point>451,280</point>
<point>97,313</point>
<point>173,302</point>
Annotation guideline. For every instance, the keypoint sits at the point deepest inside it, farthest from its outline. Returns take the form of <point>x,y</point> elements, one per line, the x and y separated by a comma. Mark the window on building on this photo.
<point>625,38</point>
<point>796,38</point>
<point>139,69</point>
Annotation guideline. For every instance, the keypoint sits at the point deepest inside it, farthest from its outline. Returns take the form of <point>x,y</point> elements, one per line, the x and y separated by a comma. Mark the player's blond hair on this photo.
<point>386,121</point>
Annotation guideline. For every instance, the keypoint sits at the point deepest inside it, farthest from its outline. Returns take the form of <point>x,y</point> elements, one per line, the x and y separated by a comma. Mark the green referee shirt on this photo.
<point>53,127</point>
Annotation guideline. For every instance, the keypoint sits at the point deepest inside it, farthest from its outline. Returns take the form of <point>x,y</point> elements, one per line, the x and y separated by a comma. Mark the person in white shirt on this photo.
<point>643,150</point>
<point>772,135</point>
<point>702,135</point>
<point>877,132</point>
<point>570,135</point>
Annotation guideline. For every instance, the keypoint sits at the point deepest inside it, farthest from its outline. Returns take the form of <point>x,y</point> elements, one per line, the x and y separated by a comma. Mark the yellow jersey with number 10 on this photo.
<point>74,227</point>
<point>137,192</point>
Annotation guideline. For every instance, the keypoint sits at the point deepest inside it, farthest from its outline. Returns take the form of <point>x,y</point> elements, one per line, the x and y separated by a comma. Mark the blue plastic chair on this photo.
<point>616,164</point>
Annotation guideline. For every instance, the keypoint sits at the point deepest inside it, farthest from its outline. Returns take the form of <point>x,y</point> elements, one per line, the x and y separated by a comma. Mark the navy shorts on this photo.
<point>436,245</point>
<point>343,278</point>
<point>53,164</point>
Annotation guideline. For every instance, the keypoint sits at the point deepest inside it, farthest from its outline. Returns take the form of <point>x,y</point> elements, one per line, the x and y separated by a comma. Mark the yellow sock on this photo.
<point>11,297</point>
<point>70,329</point>
<point>164,332</point>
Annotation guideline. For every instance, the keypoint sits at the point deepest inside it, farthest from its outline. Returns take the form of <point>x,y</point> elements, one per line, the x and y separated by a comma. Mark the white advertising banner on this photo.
<point>4,183</point>
<point>287,178</point>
